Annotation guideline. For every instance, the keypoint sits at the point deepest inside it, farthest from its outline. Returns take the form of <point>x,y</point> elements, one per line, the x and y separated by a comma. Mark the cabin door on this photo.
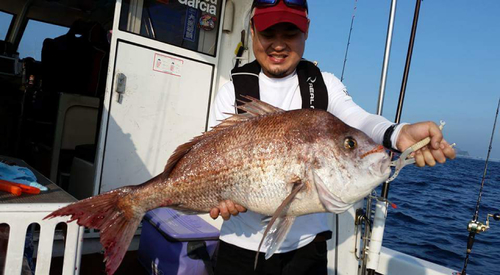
<point>159,86</point>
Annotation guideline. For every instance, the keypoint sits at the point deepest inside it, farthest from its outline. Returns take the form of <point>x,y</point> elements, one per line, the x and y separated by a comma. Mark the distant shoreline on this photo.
<point>478,158</point>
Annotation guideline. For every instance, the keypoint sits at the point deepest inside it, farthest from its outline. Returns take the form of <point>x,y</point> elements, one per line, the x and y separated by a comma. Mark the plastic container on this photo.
<point>175,243</point>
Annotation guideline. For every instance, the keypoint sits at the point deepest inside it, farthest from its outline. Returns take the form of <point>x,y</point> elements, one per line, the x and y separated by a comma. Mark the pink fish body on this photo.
<point>278,163</point>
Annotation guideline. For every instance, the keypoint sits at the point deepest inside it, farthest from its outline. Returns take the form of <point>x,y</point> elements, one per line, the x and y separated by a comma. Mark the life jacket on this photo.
<point>312,86</point>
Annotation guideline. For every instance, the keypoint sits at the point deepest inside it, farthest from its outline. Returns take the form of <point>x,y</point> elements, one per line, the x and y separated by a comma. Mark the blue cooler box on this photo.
<point>175,243</point>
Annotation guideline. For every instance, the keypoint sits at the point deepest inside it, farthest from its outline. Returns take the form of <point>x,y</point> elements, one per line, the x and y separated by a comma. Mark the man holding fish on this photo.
<point>279,76</point>
<point>298,146</point>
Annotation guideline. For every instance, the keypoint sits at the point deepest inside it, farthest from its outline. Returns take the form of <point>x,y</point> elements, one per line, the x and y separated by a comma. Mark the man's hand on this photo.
<point>226,209</point>
<point>437,150</point>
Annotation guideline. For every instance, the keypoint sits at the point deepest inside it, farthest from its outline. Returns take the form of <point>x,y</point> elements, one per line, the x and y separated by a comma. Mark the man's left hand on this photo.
<point>438,150</point>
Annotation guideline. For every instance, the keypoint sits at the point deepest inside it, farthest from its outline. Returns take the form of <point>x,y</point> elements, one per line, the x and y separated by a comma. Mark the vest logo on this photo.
<point>311,81</point>
<point>209,6</point>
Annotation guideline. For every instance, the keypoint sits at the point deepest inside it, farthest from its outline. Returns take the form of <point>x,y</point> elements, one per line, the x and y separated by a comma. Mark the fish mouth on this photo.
<point>382,162</point>
<point>382,167</point>
<point>378,149</point>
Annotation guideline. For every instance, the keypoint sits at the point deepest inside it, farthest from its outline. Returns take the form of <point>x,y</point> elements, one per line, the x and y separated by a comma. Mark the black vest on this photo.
<point>312,86</point>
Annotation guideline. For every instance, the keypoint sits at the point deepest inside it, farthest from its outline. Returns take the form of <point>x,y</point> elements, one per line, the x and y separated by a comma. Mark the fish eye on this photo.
<point>350,143</point>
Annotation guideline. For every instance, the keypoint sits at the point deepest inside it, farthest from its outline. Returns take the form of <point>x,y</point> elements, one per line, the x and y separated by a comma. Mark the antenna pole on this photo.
<point>381,205</point>
<point>387,53</point>
<point>383,80</point>
<point>385,187</point>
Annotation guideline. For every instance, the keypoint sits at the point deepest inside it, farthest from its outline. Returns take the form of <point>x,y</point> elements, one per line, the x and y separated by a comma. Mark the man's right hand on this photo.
<point>226,209</point>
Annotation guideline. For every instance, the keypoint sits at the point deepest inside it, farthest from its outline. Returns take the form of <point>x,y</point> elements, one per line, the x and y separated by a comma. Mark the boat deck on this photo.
<point>93,264</point>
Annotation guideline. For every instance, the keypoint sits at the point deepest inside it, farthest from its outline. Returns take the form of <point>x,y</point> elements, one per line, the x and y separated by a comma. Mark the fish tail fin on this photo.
<point>114,215</point>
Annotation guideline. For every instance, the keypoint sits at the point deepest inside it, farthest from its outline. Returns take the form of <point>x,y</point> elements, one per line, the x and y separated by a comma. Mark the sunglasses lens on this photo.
<point>301,3</point>
<point>296,3</point>
<point>265,2</point>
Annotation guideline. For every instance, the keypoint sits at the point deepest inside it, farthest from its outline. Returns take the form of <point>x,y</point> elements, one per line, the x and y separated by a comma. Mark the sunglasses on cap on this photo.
<point>290,3</point>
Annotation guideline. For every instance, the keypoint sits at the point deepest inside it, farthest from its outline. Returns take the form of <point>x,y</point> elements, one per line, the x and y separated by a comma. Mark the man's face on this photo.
<point>279,48</point>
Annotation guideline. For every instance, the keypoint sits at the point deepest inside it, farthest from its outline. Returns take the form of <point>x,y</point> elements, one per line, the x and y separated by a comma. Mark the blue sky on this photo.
<point>4,24</point>
<point>455,70</point>
<point>33,37</point>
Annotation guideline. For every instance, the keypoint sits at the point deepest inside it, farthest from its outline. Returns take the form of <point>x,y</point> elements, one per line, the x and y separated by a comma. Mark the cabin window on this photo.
<point>190,24</point>
<point>5,19</point>
<point>34,35</point>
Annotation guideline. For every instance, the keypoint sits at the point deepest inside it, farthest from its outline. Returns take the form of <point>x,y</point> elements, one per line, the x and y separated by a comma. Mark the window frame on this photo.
<point>25,26</point>
<point>11,25</point>
<point>218,30</point>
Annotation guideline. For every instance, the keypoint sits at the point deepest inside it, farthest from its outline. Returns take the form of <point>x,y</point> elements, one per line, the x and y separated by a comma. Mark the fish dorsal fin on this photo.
<point>179,154</point>
<point>183,149</point>
<point>234,119</point>
<point>275,233</point>
<point>253,108</point>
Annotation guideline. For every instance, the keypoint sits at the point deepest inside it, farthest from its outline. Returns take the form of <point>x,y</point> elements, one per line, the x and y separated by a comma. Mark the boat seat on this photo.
<point>82,172</point>
<point>76,124</point>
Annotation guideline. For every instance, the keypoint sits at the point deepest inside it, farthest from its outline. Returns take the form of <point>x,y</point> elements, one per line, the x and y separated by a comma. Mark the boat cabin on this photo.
<point>97,94</point>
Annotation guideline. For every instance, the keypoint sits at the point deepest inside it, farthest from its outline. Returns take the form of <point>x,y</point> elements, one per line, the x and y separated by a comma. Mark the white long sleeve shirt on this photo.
<point>246,229</point>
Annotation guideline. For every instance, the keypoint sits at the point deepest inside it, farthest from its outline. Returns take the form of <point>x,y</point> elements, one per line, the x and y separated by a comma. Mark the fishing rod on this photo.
<point>382,202</point>
<point>365,218</point>
<point>474,226</point>
<point>348,40</point>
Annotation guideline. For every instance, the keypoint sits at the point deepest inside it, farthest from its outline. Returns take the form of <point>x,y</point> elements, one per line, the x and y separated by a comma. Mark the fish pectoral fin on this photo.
<point>331,202</point>
<point>275,232</point>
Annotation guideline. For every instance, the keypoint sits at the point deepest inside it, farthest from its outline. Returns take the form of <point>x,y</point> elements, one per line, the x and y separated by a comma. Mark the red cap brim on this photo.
<point>265,20</point>
<point>265,17</point>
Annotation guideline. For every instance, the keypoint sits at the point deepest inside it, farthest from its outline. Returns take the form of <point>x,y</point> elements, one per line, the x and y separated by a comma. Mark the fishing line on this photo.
<point>474,225</point>
<point>486,165</point>
<point>349,39</point>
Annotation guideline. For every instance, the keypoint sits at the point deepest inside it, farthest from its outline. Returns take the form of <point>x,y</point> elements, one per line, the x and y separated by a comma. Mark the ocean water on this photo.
<point>434,206</point>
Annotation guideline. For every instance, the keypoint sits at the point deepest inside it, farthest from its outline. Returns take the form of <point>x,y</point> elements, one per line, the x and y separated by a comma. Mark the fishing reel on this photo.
<point>478,227</point>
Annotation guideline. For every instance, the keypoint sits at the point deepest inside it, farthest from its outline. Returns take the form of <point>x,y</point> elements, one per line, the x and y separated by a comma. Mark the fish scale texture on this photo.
<point>253,163</point>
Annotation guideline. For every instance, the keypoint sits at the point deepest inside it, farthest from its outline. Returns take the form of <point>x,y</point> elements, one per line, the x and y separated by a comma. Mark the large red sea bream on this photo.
<point>278,163</point>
